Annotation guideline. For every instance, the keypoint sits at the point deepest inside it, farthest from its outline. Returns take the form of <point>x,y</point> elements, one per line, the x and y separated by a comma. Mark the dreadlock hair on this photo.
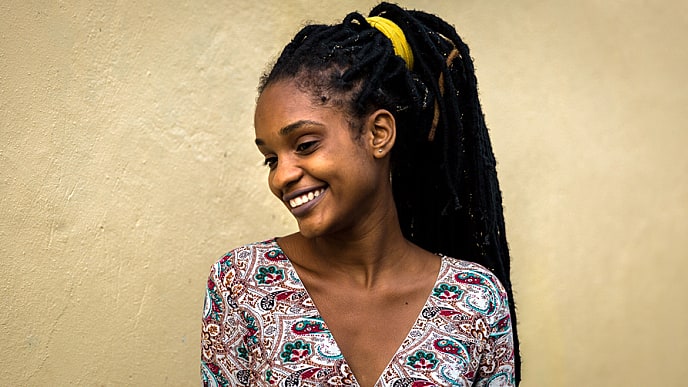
<point>444,179</point>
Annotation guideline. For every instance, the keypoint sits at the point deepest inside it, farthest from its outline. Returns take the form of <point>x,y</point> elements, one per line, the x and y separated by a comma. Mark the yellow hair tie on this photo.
<point>396,35</point>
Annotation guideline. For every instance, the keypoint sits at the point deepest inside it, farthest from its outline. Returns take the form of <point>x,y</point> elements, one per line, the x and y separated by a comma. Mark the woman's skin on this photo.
<point>368,282</point>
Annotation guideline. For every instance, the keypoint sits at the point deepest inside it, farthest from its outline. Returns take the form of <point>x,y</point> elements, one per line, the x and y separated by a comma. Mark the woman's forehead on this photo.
<point>280,99</point>
<point>281,105</point>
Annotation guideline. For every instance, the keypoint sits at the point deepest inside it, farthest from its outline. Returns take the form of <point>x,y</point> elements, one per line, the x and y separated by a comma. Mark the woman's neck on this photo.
<point>364,256</point>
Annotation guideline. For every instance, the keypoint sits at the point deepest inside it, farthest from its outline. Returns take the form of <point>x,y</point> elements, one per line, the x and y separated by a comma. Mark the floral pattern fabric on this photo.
<point>261,328</point>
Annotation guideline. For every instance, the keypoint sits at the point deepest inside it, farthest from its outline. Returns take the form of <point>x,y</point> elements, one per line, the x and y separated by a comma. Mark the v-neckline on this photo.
<point>401,345</point>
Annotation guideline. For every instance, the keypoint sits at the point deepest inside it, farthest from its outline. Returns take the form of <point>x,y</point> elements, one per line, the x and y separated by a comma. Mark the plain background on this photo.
<point>127,167</point>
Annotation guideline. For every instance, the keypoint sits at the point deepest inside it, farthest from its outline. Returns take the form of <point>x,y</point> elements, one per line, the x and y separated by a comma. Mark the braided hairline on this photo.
<point>344,66</point>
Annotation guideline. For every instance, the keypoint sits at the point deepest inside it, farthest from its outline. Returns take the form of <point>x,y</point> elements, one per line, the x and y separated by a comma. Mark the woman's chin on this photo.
<point>309,232</point>
<point>309,228</point>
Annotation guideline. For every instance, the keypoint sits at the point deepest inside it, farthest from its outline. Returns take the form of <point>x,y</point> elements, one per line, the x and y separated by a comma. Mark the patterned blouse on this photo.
<point>261,328</point>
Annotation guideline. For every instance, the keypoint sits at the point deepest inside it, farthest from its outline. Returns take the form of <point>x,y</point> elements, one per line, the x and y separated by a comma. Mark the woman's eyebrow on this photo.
<point>296,125</point>
<point>285,131</point>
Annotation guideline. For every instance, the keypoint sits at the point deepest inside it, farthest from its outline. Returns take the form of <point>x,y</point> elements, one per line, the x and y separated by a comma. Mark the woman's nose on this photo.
<point>285,174</point>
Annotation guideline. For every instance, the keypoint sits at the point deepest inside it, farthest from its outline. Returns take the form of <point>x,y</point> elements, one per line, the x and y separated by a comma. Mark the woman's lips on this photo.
<point>303,202</point>
<point>305,198</point>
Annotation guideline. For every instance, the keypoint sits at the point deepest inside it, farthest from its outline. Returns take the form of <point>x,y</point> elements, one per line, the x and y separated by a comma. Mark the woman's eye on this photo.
<point>306,147</point>
<point>270,162</point>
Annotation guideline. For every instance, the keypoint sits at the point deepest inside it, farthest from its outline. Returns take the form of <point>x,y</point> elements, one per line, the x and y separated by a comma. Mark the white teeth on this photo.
<point>305,198</point>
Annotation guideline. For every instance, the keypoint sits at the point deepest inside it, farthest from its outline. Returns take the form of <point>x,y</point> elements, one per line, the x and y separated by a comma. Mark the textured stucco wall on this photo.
<point>127,167</point>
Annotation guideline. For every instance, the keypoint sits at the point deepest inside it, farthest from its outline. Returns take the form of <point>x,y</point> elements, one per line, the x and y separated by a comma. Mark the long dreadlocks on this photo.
<point>443,169</point>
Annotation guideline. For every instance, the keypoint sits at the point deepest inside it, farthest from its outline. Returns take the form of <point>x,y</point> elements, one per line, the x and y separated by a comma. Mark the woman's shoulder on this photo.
<point>474,277</point>
<point>472,290</point>
<point>248,251</point>
<point>471,272</point>
<point>242,258</point>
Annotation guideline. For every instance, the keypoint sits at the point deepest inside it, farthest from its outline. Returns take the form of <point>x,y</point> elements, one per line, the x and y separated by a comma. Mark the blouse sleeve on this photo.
<point>224,358</point>
<point>497,362</point>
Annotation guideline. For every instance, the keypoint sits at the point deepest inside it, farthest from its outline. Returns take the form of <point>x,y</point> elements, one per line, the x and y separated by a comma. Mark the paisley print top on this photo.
<point>261,328</point>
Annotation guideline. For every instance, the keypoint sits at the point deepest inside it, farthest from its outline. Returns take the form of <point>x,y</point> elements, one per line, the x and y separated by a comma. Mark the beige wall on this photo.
<point>127,167</point>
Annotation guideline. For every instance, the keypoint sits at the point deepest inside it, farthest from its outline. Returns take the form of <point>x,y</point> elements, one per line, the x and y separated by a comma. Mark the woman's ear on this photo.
<point>384,132</point>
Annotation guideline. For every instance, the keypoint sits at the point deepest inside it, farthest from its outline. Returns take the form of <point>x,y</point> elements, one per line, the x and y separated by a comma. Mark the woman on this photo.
<point>375,141</point>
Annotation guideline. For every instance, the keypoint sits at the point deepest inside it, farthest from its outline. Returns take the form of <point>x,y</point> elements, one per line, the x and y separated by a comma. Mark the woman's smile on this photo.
<point>301,202</point>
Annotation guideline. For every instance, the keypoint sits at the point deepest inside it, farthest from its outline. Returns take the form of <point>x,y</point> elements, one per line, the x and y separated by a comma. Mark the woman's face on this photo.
<point>326,174</point>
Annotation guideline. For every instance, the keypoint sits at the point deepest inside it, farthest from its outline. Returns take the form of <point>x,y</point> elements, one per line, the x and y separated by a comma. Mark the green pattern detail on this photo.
<point>269,274</point>
<point>442,290</point>
<point>242,352</point>
<point>295,352</point>
<point>422,360</point>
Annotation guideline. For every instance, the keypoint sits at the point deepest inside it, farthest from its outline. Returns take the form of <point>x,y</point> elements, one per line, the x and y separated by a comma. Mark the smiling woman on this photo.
<point>399,273</point>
